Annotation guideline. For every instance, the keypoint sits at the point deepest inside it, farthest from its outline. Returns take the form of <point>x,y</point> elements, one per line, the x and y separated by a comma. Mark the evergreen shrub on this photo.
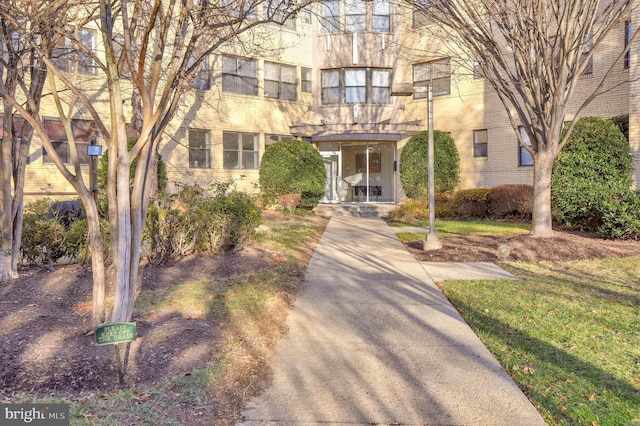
<point>414,164</point>
<point>594,168</point>
<point>292,167</point>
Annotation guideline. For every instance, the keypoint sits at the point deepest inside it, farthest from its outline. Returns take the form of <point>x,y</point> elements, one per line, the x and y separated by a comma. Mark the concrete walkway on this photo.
<point>373,341</point>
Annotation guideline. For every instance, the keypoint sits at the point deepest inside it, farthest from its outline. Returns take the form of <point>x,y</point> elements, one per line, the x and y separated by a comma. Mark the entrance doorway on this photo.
<point>359,171</point>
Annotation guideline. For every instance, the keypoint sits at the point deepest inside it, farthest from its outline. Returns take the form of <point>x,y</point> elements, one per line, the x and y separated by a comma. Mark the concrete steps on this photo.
<point>354,209</point>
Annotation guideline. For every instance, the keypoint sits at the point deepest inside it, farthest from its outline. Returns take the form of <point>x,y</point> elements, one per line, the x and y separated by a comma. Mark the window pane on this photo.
<point>355,23</point>
<point>249,86</point>
<point>60,148</point>
<point>330,79</point>
<point>271,71</point>
<point>249,142</point>
<point>356,94</point>
<point>229,65</point>
<point>288,74</point>
<point>250,160</point>
<point>230,141</point>
<point>380,78</point>
<point>355,77</point>
<point>271,89</point>
<point>288,91</point>
<point>380,95</point>
<point>480,139</point>
<point>381,7</point>
<point>420,72</point>
<point>230,160</point>
<point>247,68</point>
<point>381,23</point>
<point>331,95</point>
<point>230,83</point>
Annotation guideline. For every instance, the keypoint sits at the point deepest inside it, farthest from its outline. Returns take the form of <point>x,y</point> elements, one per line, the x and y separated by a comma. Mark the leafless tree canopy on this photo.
<point>532,53</point>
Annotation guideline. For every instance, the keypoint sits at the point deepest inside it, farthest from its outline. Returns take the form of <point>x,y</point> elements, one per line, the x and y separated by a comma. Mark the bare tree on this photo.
<point>153,51</point>
<point>22,76</point>
<point>532,53</point>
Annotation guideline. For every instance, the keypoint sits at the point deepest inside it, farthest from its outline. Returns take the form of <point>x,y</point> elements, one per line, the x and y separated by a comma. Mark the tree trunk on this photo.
<point>96,245</point>
<point>541,226</point>
<point>6,219</point>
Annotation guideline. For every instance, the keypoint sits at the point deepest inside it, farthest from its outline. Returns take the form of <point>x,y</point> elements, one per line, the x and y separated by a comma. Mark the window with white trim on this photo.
<point>480,143</point>
<point>239,75</point>
<point>305,85</point>
<point>240,150</point>
<point>381,17</point>
<point>524,157</point>
<point>355,16</point>
<point>279,81</point>
<point>76,56</point>
<point>330,21</point>
<point>438,72</point>
<point>627,40</point>
<point>279,15</point>
<point>199,149</point>
<point>356,86</point>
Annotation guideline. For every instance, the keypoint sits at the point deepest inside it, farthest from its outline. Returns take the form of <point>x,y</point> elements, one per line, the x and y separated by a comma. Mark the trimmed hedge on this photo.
<point>595,167</point>
<point>502,202</point>
<point>414,164</point>
<point>292,167</point>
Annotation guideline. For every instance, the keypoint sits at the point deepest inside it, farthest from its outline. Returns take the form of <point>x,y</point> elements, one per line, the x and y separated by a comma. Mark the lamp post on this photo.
<point>94,151</point>
<point>432,242</point>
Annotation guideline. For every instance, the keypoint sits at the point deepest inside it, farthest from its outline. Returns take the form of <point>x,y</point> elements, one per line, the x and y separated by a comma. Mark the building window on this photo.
<point>202,79</point>
<point>356,85</point>
<point>438,72</point>
<point>524,157</point>
<point>355,81</point>
<point>240,150</point>
<point>83,132</point>
<point>380,83</point>
<point>199,149</point>
<point>381,15</point>
<point>355,16</point>
<point>77,56</point>
<point>306,80</point>
<point>477,70</point>
<point>480,143</point>
<point>588,46</point>
<point>279,81</point>
<point>627,39</point>
<point>270,139</point>
<point>305,15</point>
<point>331,87</point>
<point>273,11</point>
<point>330,16</point>
<point>239,75</point>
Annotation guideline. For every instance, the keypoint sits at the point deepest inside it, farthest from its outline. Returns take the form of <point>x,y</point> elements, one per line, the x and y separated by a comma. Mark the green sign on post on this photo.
<point>116,332</point>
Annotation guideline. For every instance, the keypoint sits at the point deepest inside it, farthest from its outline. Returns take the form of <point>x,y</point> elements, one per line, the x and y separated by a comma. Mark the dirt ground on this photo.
<point>563,245</point>
<point>46,348</point>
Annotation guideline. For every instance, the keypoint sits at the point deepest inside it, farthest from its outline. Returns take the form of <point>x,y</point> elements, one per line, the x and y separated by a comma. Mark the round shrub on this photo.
<point>414,164</point>
<point>594,167</point>
<point>292,167</point>
<point>621,217</point>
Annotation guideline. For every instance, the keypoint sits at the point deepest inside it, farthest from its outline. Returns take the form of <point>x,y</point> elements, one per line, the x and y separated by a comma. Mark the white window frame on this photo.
<point>204,136</point>
<point>245,83</point>
<point>437,71</point>
<point>481,143</point>
<point>236,156</point>
<point>280,88</point>
<point>525,159</point>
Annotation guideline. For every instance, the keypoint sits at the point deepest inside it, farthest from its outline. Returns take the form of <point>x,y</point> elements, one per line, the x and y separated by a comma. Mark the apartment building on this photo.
<point>326,77</point>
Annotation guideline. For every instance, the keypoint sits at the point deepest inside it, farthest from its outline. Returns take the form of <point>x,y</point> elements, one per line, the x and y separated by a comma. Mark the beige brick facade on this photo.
<point>470,105</point>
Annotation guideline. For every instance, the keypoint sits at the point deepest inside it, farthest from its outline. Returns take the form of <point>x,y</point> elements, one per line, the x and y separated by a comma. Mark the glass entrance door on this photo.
<point>361,172</point>
<point>333,187</point>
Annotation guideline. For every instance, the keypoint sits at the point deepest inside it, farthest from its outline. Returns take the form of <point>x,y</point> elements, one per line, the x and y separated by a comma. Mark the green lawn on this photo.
<point>567,332</point>
<point>449,228</point>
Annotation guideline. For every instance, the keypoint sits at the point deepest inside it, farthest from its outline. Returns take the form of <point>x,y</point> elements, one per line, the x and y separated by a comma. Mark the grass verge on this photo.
<point>567,332</point>
<point>451,228</point>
